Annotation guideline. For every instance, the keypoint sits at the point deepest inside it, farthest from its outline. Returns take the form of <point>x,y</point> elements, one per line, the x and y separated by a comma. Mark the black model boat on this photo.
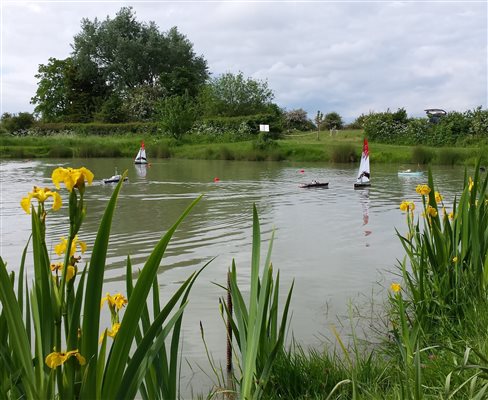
<point>315,184</point>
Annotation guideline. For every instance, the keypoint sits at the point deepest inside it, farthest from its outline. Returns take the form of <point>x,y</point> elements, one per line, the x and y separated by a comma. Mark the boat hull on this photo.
<point>314,185</point>
<point>115,179</point>
<point>362,185</point>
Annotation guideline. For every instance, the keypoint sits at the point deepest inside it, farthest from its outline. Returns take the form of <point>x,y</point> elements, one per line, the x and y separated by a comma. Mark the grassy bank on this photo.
<point>344,146</point>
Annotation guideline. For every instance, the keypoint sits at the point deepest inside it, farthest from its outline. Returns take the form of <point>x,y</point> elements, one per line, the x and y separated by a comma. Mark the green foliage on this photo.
<point>241,128</point>
<point>257,328</point>
<point>61,310</point>
<point>422,155</point>
<point>64,95</point>
<point>129,54</point>
<point>111,110</point>
<point>263,141</point>
<point>454,128</point>
<point>233,95</point>
<point>177,114</point>
<point>448,257</point>
<point>449,156</point>
<point>344,153</point>
<point>94,128</point>
<point>333,120</point>
<point>479,122</point>
<point>118,60</point>
<point>386,127</point>
<point>17,124</point>
<point>140,102</point>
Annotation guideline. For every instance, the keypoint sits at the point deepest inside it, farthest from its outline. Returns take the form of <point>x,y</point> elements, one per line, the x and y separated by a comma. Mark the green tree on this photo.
<point>52,89</point>
<point>118,59</point>
<point>64,95</point>
<point>129,54</point>
<point>333,120</point>
<point>233,95</point>
<point>177,114</point>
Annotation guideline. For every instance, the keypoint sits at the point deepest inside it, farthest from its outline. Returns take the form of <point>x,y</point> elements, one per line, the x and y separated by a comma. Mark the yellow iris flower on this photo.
<point>111,332</point>
<point>395,287</point>
<point>55,359</point>
<point>431,211</point>
<point>72,177</point>
<point>423,189</point>
<point>407,206</point>
<point>117,301</point>
<point>470,184</point>
<point>438,197</point>
<point>59,267</point>
<point>454,259</point>
<point>41,195</point>
<point>60,248</point>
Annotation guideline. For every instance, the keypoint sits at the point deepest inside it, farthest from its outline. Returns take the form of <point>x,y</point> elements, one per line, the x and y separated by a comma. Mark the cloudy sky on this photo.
<point>346,56</point>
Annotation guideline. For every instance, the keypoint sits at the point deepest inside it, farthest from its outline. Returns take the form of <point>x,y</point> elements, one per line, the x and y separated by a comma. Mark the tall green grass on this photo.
<point>257,328</point>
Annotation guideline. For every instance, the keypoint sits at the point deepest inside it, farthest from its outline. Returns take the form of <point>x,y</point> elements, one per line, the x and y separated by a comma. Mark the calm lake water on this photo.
<point>336,243</point>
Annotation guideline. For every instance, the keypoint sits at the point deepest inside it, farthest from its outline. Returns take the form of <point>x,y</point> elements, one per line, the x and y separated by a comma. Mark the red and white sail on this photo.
<point>141,155</point>
<point>364,173</point>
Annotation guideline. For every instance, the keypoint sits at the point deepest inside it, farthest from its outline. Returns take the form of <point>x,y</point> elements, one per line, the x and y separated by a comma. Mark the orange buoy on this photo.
<point>216,179</point>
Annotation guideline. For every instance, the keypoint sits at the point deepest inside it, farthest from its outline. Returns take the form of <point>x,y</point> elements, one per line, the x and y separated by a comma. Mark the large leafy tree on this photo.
<point>129,54</point>
<point>118,59</point>
<point>234,95</point>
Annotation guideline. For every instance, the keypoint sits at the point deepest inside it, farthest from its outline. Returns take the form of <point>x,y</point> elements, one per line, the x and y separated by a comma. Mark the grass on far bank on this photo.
<point>342,147</point>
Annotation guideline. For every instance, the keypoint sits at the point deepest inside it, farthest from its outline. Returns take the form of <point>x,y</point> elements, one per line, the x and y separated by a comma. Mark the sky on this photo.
<point>350,57</point>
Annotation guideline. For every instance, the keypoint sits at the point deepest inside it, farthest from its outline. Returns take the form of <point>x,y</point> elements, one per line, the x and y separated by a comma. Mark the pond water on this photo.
<point>336,243</point>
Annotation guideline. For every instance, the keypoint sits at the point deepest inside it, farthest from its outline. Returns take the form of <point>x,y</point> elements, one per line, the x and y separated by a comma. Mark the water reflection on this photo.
<point>141,170</point>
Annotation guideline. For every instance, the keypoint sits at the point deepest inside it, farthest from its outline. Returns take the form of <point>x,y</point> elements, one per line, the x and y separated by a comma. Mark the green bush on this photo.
<point>17,124</point>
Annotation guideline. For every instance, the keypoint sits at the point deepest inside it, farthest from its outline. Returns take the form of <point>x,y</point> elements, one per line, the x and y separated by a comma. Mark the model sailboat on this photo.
<point>141,155</point>
<point>363,174</point>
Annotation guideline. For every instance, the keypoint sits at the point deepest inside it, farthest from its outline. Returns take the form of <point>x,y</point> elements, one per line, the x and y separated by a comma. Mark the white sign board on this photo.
<point>263,128</point>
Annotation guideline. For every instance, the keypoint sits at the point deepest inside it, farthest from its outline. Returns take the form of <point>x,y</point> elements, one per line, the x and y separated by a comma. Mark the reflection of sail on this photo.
<point>141,170</point>
<point>364,198</point>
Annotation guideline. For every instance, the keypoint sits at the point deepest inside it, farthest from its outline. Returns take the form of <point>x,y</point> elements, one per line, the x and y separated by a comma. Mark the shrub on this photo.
<point>176,115</point>
<point>16,124</point>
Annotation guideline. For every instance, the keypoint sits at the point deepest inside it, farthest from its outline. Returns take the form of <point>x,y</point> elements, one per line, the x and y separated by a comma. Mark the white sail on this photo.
<point>364,172</point>
<point>141,155</point>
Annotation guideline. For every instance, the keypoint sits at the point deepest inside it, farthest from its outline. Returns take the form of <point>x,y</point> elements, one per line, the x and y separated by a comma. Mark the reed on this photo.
<point>422,155</point>
<point>448,254</point>
<point>256,326</point>
<point>448,156</point>
<point>344,153</point>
